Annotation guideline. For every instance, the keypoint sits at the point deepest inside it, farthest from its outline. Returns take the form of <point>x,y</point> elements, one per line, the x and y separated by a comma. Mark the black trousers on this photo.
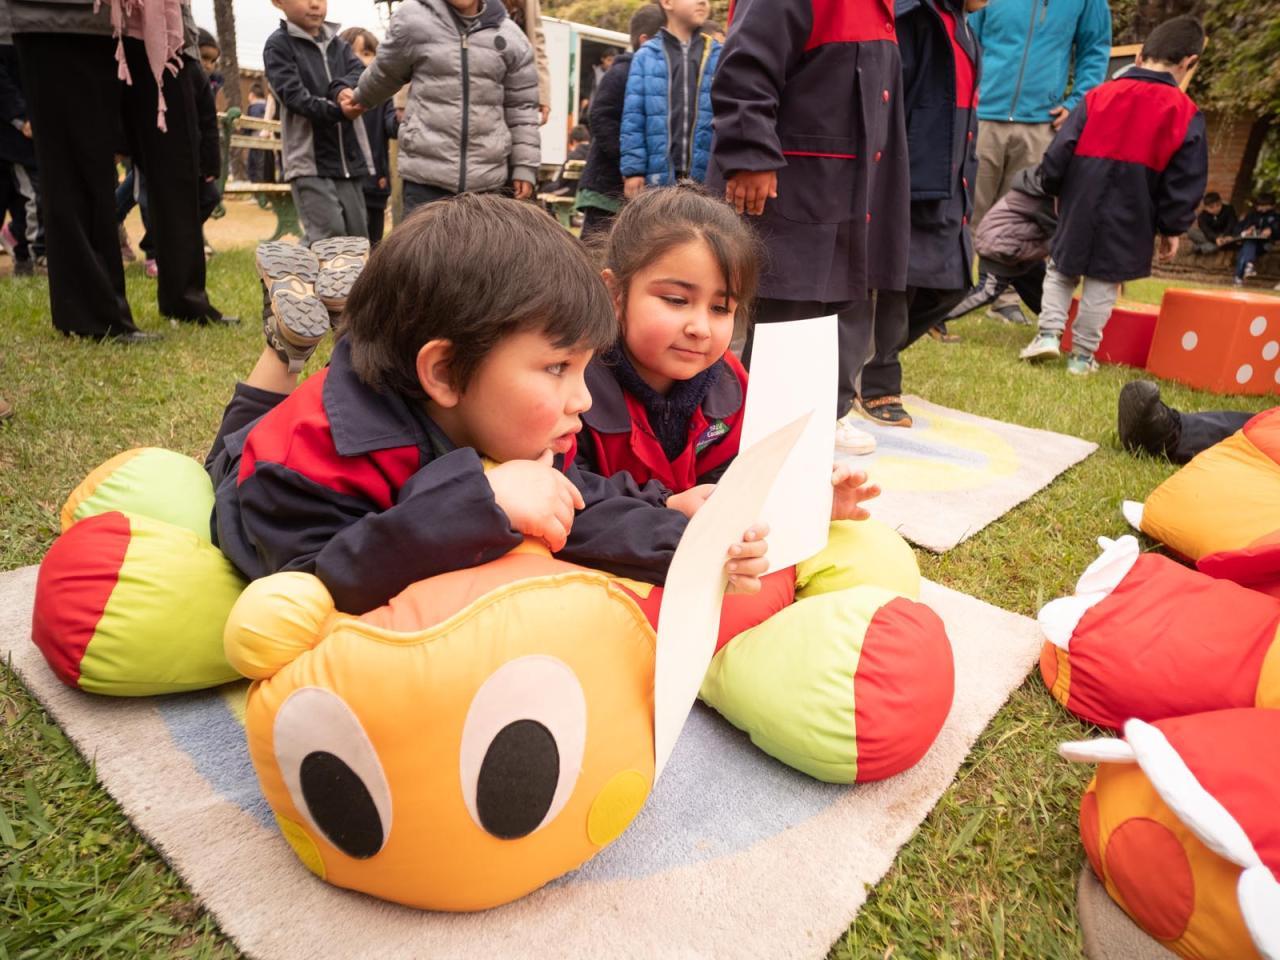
<point>377,221</point>
<point>596,222</point>
<point>1200,431</point>
<point>902,318</point>
<point>854,321</point>
<point>77,109</point>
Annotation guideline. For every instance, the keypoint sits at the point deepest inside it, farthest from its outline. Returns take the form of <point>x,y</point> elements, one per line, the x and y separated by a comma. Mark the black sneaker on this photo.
<point>1144,422</point>
<point>886,410</point>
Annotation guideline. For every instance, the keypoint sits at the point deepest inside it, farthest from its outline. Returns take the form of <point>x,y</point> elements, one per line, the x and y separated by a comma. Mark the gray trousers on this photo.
<point>1096,301</point>
<point>329,208</point>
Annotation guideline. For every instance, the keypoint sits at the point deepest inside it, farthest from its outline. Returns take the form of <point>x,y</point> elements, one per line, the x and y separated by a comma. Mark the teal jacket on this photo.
<point>1027,50</point>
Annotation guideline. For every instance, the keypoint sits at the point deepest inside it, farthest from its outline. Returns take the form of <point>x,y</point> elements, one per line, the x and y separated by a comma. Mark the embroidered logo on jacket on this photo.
<point>716,430</point>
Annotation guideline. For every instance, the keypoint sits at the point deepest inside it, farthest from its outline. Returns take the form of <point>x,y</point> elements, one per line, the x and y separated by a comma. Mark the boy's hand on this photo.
<point>538,499</point>
<point>523,189</point>
<point>1059,115</point>
<point>632,187</point>
<point>746,563</point>
<point>688,501</point>
<point>851,488</point>
<point>544,112</point>
<point>747,190</point>
<point>1167,247</point>
<point>348,105</point>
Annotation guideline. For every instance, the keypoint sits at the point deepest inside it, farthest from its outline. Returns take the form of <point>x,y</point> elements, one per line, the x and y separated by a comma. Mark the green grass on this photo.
<point>989,874</point>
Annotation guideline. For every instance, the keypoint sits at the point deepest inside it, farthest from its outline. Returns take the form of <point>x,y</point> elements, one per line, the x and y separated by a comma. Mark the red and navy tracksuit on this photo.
<point>941,71</point>
<point>619,435</point>
<point>364,490</point>
<point>813,90</point>
<point>1130,162</point>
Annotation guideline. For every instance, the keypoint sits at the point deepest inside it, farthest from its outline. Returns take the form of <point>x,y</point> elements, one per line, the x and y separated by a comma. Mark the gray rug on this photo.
<point>734,855</point>
<point>952,473</point>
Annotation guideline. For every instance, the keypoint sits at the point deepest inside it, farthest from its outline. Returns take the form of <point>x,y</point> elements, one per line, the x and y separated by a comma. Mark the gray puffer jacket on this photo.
<point>471,122</point>
<point>1018,230</point>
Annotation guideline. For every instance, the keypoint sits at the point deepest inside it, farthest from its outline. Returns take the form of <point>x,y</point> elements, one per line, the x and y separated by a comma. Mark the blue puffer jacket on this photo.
<point>645,135</point>
<point>1028,49</point>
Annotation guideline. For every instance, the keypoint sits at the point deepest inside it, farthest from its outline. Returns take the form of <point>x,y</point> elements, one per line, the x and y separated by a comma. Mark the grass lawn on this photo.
<point>989,874</point>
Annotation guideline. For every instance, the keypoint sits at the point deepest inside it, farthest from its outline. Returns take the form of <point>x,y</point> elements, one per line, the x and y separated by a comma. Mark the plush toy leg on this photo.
<point>858,553</point>
<point>845,686</point>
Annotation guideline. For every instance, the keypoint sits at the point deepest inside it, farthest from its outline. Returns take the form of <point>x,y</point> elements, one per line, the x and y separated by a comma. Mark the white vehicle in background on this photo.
<point>573,50</point>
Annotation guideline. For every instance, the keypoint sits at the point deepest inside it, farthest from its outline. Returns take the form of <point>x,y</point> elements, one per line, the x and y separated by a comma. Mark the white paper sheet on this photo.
<point>689,618</point>
<point>793,372</point>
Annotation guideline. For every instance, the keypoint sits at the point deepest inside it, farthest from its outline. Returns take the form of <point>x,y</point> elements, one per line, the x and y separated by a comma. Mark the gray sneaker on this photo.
<point>294,326</point>
<point>1046,346</point>
<point>342,260</point>
<point>1009,313</point>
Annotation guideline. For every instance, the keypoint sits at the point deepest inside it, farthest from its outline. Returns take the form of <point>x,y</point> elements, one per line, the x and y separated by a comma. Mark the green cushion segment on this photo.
<point>159,484</point>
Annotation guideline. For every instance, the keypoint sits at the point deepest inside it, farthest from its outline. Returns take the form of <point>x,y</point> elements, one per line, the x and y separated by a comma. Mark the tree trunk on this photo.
<point>1243,188</point>
<point>225,17</point>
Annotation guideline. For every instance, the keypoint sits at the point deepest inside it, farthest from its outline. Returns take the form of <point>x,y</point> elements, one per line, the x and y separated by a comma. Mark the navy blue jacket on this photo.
<point>813,90</point>
<point>364,490</point>
<point>942,127</point>
<point>381,126</point>
<point>318,139</point>
<point>1130,162</point>
<point>14,147</point>
<point>602,173</point>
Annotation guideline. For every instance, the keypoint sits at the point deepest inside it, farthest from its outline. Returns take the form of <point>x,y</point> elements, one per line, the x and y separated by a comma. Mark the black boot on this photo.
<point>1144,422</point>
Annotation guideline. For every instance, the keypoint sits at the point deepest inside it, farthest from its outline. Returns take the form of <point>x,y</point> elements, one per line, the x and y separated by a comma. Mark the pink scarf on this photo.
<point>158,24</point>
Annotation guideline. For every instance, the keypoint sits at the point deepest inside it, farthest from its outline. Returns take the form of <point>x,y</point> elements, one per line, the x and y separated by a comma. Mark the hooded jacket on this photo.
<point>306,73</point>
<point>471,122</point>
<point>1130,162</point>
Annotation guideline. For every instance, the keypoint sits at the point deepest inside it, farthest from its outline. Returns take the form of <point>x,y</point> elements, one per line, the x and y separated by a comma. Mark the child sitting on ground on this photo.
<point>1130,164</point>
<point>668,397</point>
<point>1260,227</point>
<point>370,473</point>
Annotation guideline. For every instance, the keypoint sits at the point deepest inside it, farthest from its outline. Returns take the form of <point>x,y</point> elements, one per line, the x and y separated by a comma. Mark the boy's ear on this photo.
<point>434,373</point>
<point>615,291</point>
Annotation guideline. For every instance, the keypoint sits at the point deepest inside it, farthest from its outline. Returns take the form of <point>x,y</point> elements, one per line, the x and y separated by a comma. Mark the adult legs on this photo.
<point>73,100</point>
<point>377,217</point>
<point>167,158</point>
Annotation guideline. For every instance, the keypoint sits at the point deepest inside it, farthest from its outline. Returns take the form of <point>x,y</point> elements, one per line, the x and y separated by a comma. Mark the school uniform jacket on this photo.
<point>618,436</point>
<point>941,69</point>
<point>362,489</point>
<point>812,89</point>
<point>1130,162</point>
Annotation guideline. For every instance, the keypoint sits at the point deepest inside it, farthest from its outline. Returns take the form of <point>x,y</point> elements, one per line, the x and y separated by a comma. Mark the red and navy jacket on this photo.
<point>813,90</point>
<point>618,438</point>
<point>1130,162</point>
<point>364,490</point>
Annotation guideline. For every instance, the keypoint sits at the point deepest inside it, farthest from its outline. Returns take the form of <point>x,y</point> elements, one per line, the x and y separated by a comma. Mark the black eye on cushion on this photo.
<point>340,804</point>
<point>332,772</point>
<point>517,779</point>
<point>522,746</point>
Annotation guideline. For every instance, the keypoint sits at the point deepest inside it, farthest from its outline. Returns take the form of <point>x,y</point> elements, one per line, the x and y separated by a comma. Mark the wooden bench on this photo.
<point>561,205</point>
<point>276,197</point>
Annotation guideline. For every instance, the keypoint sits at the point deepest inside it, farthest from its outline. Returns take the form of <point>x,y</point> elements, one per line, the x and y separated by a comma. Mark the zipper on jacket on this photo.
<point>1026,51</point>
<point>466,112</point>
<point>342,147</point>
<point>697,100</point>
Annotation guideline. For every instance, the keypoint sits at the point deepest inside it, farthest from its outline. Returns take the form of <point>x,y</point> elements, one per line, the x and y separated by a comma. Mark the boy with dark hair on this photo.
<point>666,115</point>
<point>326,156</point>
<point>1260,226</point>
<point>371,474</point>
<point>600,190</point>
<point>1215,225</point>
<point>579,147</point>
<point>1129,165</point>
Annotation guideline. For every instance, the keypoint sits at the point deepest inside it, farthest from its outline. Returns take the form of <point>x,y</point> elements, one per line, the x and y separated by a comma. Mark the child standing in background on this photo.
<point>1129,165</point>
<point>471,124</point>
<point>380,127</point>
<point>326,156</point>
<point>666,115</point>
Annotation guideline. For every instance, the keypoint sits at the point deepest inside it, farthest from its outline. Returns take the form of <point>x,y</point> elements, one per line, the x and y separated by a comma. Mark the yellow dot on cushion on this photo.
<point>616,806</point>
<point>302,845</point>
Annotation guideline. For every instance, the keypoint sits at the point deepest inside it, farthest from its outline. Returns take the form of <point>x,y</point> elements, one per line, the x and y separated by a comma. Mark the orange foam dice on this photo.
<point>1126,339</point>
<point>1223,341</point>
